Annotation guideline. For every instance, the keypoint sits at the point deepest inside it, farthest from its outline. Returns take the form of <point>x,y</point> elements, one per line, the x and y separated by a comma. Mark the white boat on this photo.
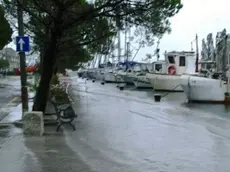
<point>112,77</point>
<point>109,76</point>
<point>166,76</point>
<point>130,74</point>
<point>126,76</point>
<point>208,87</point>
<point>141,81</point>
<point>213,86</point>
<point>201,89</point>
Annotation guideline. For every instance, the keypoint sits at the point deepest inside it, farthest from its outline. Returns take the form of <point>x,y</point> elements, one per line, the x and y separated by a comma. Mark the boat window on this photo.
<point>182,61</point>
<point>158,67</point>
<point>171,59</point>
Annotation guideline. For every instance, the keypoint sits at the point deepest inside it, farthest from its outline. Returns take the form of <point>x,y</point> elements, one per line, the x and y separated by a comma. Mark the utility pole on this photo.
<point>197,53</point>
<point>24,91</point>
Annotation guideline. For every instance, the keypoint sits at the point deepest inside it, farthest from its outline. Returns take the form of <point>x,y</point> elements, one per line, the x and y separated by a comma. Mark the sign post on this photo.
<point>22,46</point>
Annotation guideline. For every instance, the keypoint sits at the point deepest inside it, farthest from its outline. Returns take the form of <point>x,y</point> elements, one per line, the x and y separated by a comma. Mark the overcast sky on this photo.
<point>197,16</point>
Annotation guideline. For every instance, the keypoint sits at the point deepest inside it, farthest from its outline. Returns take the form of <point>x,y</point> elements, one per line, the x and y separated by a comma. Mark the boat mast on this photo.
<point>197,53</point>
<point>118,25</point>
<point>127,38</point>
<point>119,45</point>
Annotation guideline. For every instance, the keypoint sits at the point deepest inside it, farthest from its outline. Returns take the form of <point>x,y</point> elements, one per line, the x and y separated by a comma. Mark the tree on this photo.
<point>5,29</point>
<point>58,23</point>
<point>4,63</point>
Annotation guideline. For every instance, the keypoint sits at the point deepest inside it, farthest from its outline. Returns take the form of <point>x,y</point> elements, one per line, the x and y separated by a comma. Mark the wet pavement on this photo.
<point>125,131</point>
<point>128,131</point>
<point>9,94</point>
<point>37,154</point>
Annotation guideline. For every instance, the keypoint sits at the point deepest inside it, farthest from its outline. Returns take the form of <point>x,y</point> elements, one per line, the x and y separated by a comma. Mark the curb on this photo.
<point>19,123</point>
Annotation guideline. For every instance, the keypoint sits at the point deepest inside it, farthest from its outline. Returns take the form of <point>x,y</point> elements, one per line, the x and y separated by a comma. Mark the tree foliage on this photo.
<point>66,29</point>
<point>4,63</point>
<point>5,29</point>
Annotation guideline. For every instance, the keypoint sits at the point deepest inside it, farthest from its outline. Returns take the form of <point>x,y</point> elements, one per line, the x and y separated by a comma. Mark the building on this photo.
<point>13,57</point>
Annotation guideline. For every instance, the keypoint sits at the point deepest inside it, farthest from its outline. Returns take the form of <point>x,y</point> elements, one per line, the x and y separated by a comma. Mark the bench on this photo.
<point>65,114</point>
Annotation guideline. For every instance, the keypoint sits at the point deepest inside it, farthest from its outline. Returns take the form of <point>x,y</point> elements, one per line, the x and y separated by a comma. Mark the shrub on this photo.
<point>59,94</point>
<point>54,80</point>
<point>58,91</point>
<point>34,86</point>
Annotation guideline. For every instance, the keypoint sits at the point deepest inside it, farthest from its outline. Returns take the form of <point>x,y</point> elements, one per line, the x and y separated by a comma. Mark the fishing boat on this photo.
<point>213,85</point>
<point>166,73</point>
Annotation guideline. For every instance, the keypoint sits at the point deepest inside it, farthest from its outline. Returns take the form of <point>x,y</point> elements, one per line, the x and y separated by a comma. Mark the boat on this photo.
<point>111,76</point>
<point>128,71</point>
<point>207,90</point>
<point>213,85</point>
<point>166,73</point>
<point>140,79</point>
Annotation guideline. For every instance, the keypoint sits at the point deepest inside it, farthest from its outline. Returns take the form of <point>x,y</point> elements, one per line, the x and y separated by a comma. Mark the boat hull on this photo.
<point>164,82</point>
<point>200,89</point>
<point>111,77</point>
<point>127,77</point>
<point>99,74</point>
<point>142,82</point>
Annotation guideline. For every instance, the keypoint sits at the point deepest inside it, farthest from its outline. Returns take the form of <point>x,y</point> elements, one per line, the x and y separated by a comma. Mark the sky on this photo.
<point>196,17</point>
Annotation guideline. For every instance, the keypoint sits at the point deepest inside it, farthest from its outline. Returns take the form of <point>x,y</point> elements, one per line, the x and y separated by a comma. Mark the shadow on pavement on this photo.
<point>48,153</point>
<point>53,154</point>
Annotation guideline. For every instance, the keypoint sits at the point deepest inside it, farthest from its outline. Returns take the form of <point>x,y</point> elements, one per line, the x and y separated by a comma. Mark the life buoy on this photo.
<point>172,70</point>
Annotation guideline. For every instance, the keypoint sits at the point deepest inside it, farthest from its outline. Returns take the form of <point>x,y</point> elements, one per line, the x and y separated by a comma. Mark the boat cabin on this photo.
<point>159,67</point>
<point>176,63</point>
<point>207,65</point>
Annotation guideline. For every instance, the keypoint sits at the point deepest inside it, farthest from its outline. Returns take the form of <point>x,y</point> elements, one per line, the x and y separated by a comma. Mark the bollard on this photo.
<point>102,83</point>
<point>33,123</point>
<point>93,80</point>
<point>157,97</point>
<point>121,86</point>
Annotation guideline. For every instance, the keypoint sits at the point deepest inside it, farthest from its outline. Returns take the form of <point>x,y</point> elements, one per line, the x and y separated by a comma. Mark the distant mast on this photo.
<point>197,53</point>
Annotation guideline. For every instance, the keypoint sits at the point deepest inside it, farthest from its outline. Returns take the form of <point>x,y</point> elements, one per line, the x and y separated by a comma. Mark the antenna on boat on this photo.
<point>197,53</point>
<point>191,46</point>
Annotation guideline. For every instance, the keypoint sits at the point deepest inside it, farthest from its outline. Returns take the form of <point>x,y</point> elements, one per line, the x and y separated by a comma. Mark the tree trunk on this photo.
<point>46,74</point>
<point>43,89</point>
<point>41,60</point>
<point>55,71</point>
<point>55,68</point>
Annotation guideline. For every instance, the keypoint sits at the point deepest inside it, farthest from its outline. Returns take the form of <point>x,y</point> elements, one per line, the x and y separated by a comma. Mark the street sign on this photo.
<point>22,44</point>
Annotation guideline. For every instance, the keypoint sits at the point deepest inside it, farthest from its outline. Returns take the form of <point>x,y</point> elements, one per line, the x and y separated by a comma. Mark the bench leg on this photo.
<point>58,127</point>
<point>72,126</point>
<point>62,123</point>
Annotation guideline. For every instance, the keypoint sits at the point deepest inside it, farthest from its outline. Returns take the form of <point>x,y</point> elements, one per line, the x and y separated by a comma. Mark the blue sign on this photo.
<point>22,44</point>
